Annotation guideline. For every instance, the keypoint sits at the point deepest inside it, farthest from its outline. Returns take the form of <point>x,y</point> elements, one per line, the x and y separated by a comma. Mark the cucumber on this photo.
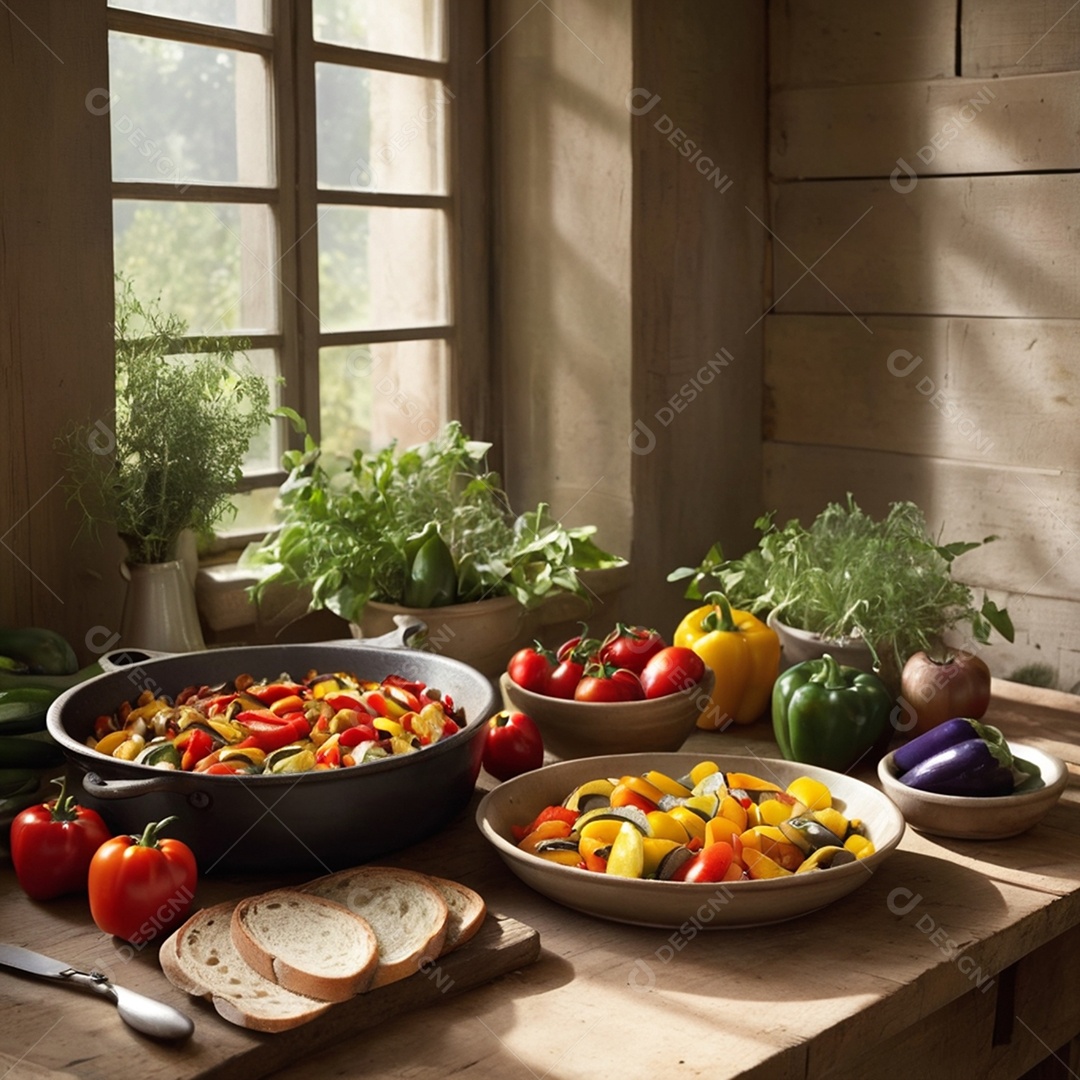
<point>24,710</point>
<point>44,651</point>
<point>10,681</point>
<point>28,752</point>
<point>15,782</point>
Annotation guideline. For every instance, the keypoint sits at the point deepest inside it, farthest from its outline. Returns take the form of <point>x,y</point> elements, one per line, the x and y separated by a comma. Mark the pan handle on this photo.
<point>409,632</point>
<point>118,659</point>
<point>99,788</point>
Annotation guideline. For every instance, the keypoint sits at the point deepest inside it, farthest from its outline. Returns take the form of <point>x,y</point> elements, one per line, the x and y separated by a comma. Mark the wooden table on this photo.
<point>958,959</point>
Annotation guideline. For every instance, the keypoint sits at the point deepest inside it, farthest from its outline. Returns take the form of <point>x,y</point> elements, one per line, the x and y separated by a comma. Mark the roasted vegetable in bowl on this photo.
<point>707,826</point>
<point>324,721</point>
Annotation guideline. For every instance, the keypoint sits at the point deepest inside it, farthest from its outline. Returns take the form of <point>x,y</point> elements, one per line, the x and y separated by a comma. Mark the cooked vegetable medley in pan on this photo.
<point>279,726</point>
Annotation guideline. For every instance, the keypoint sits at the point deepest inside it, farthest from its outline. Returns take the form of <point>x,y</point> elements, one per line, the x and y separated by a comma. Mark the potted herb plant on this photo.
<point>870,592</point>
<point>186,411</point>
<point>425,531</point>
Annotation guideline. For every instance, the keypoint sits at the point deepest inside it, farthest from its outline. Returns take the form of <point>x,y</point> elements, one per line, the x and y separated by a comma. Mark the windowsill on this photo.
<point>228,614</point>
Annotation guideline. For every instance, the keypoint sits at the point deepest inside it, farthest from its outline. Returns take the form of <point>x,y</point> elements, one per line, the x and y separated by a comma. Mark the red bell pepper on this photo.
<point>142,886</point>
<point>52,845</point>
<point>267,736</point>
<point>197,745</point>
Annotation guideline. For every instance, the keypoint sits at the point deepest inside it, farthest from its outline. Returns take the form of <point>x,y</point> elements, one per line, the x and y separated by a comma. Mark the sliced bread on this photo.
<point>307,943</point>
<point>405,910</point>
<point>201,959</point>
<point>467,910</point>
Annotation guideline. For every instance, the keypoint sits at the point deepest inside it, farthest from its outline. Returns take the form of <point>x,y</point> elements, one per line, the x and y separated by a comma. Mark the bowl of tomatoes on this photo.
<point>629,692</point>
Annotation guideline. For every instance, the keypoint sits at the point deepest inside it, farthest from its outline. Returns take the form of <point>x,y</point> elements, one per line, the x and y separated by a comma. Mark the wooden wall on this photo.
<point>924,342</point>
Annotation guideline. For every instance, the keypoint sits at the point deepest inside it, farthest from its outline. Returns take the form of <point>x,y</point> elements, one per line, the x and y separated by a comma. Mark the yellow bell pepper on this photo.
<point>743,652</point>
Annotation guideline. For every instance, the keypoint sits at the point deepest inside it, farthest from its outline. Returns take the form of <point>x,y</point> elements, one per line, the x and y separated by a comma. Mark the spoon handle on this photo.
<point>144,1014</point>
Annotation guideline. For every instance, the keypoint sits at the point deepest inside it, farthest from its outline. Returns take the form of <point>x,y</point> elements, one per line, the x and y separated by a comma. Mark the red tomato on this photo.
<point>709,864</point>
<point>564,679</point>
<point>631,647</point>
<point>513,745</point>
<point>582,647</point>
<point>530,668</point>
<point>671,670</point>
<point>52,845</point>
<point>142,887</point>
<point>603,684</point>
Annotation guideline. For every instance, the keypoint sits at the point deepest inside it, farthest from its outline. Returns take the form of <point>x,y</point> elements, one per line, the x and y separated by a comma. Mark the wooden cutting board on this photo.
<point>48,1030</point>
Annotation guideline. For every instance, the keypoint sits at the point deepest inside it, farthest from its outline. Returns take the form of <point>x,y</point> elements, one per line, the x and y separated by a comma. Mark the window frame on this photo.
<point>292,53</point>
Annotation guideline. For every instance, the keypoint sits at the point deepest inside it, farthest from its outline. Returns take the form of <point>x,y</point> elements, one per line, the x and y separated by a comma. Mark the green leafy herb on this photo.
<point>849,575</point>
<point>186,410</point>
<point>351,531</point>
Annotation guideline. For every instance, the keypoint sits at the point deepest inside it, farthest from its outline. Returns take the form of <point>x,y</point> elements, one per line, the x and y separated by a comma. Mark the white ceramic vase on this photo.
<point>159,608</point>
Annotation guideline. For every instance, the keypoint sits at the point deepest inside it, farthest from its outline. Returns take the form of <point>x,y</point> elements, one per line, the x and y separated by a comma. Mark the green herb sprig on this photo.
<point>849,575</point>
<point>186,411</point>
<point>345,526</point>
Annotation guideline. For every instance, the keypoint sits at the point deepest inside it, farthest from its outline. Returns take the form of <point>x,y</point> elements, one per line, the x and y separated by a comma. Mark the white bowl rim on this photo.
<point>702,889</point>
<point>1047,762</point>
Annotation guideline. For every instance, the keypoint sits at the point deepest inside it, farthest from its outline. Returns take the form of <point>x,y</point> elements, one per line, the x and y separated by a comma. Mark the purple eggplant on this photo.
<point>941,738</point>
<point>974,767</point>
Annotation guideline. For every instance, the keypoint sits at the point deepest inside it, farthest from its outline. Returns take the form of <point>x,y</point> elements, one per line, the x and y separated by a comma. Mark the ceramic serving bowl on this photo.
<point>577,729</point>
<point>646,902</point>
<point>987,818</point>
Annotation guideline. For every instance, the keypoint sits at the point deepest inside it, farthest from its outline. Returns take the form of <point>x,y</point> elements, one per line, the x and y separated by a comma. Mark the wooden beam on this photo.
<point>56,306</point>
<point>1002,37</point>
<point>985,245</point>
<point>698,270</point>
<point>947,126</point>
<point>830,42</point>
<point>987,391</point>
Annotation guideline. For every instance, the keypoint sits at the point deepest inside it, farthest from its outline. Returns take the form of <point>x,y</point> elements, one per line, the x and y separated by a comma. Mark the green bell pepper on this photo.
<point>432,575</point>
<point>828,715</point>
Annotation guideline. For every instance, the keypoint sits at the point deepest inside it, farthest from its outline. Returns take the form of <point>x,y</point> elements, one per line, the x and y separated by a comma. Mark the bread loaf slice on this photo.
<point>306,943</point>
<point>201,959</point>
<point>405,910</point>
<point>467,910</point>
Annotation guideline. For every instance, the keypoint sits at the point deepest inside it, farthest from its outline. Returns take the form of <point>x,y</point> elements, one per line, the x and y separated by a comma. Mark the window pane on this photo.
<point>265,449</point>
<point>243,14</point>
<point>187,113</point>
<point>374,394</point>
<point>379,131</point>
<point>382,267</point>
<point>213,264</point>
<point>403,27</point>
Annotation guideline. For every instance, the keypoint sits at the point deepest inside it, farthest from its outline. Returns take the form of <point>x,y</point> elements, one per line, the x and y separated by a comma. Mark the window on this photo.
<point>292,172</point>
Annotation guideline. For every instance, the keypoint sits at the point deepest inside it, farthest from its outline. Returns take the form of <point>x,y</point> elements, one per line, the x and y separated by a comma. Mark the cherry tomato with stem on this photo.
<point>631,647</point>
<point>604,683</point>
<point>531,667</point>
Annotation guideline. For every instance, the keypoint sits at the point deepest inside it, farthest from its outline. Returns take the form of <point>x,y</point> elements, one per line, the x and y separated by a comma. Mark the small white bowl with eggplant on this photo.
<point>965,780</point>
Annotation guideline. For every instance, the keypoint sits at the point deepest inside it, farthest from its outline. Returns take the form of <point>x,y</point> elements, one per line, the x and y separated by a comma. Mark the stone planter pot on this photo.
<point>797,645</point>
<point>483,634</point>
